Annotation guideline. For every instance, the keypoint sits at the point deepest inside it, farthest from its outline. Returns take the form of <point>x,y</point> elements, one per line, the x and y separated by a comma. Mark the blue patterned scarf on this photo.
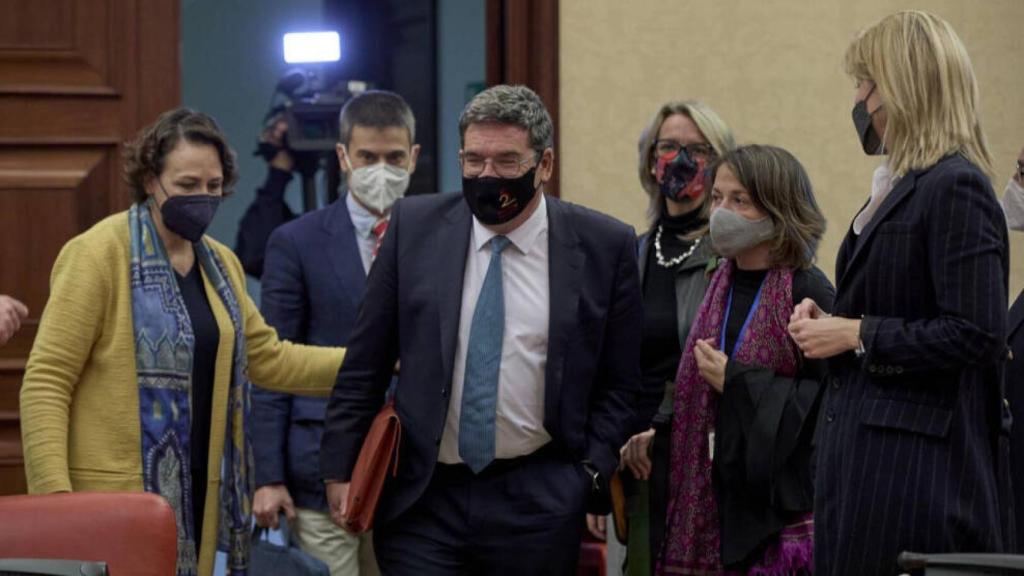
<point>164,345</point>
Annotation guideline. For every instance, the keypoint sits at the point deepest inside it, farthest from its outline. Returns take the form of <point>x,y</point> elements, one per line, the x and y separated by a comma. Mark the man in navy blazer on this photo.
<point>516,318</point>
<point>313,281</point>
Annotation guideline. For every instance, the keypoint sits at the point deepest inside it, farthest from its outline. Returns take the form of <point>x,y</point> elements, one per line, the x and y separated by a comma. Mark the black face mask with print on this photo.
<point>498,200</point>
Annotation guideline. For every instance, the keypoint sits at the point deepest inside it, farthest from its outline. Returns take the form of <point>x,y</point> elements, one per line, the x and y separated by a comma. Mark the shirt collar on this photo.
<point>524,238</point>
<point>362,219</point>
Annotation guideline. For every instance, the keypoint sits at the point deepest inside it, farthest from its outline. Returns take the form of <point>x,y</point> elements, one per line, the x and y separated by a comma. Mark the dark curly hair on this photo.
<point>144,156</point>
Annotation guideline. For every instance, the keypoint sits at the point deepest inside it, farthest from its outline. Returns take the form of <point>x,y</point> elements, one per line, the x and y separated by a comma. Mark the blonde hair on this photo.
<point>711,126</point>
<point>924,76</point>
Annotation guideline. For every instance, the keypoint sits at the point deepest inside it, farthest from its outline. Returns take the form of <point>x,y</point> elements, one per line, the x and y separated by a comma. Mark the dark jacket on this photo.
<point>908,451</point>
<point>267,211</point>
<point>411,311</point>
<point>312,286</point>
<point>691,283</point>
<point>763,441</point>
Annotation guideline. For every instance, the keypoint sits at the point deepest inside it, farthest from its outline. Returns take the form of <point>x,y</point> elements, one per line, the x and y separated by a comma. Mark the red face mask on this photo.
<point>681,176</point>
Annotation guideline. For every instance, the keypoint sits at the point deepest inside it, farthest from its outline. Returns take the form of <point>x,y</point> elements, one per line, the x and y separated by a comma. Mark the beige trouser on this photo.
<point>345,554</point>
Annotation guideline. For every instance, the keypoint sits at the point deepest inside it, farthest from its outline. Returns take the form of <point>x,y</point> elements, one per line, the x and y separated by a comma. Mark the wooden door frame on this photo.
<point>522,48</point>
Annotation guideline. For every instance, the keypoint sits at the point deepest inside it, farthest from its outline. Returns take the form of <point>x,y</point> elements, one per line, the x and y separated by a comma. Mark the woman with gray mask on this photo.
<point>745,399</point>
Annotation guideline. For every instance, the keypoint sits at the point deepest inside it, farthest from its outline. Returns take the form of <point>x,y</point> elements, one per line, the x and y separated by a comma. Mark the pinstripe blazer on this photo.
<point>909,434</point>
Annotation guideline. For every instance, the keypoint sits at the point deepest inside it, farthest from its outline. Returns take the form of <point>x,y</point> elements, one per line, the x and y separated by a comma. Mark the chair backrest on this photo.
<point>133,532</point>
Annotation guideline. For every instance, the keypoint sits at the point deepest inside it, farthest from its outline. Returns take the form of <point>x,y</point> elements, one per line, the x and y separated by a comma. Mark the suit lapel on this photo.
<point>452,245</point>
<point>903,189</point>
<point>343,251</point>
<point>565,266</point>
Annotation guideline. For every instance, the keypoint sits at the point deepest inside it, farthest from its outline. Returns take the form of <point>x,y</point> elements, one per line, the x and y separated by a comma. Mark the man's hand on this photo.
<point>825,337</point>
<point>596,525</point>
<point>337,501</point>
<point>634,455</point>
<point>12,312</point>
<point>710,363</point>
<point>268,503</point>
<point>275,135</point>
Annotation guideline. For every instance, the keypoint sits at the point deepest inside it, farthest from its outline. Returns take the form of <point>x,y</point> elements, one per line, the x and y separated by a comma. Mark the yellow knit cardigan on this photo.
<point>80,400</point>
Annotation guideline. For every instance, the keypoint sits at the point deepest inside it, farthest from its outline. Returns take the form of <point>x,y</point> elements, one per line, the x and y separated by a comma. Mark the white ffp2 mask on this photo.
<point>379,185</point>
<point>1013,205</point>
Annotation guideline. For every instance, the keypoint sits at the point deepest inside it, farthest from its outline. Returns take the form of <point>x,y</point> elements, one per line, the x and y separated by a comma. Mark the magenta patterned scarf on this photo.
<point>692,533</point>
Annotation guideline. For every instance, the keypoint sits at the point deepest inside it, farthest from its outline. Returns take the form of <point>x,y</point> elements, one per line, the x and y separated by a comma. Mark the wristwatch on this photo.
<point>595,476</point>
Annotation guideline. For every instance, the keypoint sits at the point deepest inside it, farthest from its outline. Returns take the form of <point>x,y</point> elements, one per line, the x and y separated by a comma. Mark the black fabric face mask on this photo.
<point>188,216</point>
<point>869,140</point>
<point>498,200</point>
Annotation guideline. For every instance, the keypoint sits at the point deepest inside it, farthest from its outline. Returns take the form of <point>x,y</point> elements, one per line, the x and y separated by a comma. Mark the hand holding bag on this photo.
<point>378,454</point>
<point>270,559</point>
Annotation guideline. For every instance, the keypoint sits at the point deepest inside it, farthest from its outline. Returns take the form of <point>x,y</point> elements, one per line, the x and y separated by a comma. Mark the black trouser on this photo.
<point>519,517</point>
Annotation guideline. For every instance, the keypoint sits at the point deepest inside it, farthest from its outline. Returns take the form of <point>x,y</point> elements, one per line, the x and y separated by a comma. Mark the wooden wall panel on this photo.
<point>77,79</point>
<point>522,48</point>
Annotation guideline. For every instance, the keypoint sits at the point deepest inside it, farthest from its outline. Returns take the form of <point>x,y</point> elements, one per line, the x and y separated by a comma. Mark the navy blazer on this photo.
<point>910,436</point>
<point>1015,397</point>
<point>411,311</point>
<point>312,285</point>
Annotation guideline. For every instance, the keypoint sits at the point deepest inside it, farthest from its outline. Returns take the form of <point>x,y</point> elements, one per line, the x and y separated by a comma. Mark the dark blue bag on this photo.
<point>270,559</point>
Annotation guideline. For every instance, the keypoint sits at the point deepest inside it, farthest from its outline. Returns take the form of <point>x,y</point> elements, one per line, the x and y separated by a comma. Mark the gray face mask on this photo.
<point>732,233</point>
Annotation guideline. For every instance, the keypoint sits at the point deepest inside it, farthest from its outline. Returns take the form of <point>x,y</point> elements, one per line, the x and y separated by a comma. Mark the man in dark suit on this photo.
<point>517,322</point>
<point>313,282</point>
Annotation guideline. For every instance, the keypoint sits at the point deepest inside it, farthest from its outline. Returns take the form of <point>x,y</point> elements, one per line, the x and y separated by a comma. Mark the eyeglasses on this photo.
<point>1020,170</point>
<point>504,166</point>
<point>663,147</point>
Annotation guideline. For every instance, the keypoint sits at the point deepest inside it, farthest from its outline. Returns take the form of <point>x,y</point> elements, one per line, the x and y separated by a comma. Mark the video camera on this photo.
<point>311,114</point>
<point>309,108</point>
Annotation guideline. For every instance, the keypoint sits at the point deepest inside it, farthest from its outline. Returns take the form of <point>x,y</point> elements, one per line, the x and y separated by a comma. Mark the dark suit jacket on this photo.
<point>411,311</point>
<point>908,437</point>
<point>1015,397</point>
<point>312,285</point>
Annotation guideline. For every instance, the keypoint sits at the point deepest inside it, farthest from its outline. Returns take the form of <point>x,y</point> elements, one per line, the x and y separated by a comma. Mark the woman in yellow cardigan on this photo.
<point>140,374</point>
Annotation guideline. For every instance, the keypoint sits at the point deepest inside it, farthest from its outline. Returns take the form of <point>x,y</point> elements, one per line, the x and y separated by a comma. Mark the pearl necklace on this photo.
<point>678,259</point>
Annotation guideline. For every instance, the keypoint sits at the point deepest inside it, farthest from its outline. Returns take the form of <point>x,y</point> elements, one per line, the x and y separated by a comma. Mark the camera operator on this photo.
<point>268,210</point>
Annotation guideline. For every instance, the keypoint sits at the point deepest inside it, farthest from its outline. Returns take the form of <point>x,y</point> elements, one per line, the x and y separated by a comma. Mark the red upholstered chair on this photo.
<point>134,533</point>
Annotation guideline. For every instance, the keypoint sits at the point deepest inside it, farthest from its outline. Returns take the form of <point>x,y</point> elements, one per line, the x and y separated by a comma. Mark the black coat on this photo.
<point>763,435</point>
<point>909,438</point>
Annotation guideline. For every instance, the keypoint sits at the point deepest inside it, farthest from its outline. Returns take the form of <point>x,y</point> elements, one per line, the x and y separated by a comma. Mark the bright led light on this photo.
<point>300,47</point>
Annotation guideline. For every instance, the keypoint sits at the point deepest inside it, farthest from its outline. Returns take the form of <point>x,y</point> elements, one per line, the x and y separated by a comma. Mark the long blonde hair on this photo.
<point>923,74</point>
<point>710,124</point>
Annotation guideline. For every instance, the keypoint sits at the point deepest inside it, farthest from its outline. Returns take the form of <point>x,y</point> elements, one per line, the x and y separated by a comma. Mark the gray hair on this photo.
<point>517,105</point>
<point>375,109</point>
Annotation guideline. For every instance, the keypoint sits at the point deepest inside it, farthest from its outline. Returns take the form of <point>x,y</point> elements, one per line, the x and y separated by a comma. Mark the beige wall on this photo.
<point>773,71</point>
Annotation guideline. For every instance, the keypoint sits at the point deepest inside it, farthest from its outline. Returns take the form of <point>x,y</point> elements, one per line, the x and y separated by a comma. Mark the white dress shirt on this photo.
<point>363,220</point>
<point>519,424</point>
<point>882,183</point>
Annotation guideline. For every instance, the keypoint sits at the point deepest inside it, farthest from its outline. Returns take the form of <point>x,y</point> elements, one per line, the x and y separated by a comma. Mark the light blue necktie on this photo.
<point>483,363</point>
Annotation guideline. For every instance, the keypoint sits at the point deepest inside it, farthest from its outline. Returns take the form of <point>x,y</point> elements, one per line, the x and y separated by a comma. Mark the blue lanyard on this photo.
<point>746,323</point>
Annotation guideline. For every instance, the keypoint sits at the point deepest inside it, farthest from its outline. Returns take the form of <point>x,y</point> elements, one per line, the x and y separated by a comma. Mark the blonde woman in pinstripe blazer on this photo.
<point>912,448</point>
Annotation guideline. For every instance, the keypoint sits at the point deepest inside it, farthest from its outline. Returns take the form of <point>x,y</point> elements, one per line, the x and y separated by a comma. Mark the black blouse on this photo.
<point>204,360</point>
